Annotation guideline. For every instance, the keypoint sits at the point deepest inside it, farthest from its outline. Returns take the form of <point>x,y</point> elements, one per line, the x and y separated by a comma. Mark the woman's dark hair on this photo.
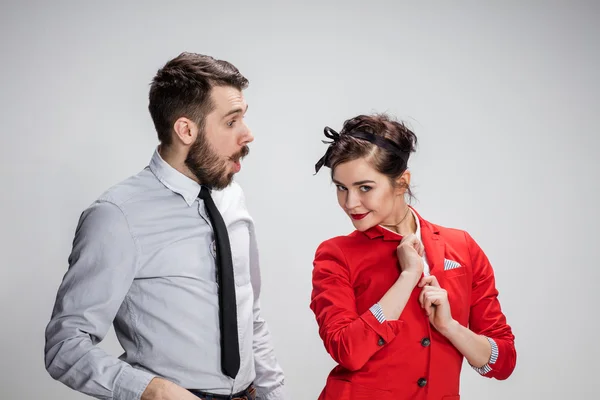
<point>182,89</point>
<point>348,148</point>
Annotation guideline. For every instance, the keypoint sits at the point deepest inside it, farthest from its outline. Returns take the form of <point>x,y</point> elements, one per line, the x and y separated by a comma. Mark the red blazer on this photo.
<point>405,358</point>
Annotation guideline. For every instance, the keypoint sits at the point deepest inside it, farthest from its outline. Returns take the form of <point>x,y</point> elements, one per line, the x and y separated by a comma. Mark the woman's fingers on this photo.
<point>430,280</point>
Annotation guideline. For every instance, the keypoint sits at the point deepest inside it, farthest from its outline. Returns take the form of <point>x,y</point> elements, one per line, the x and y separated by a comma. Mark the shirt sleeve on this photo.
<point>486,317</point>
<point>377,311</point>
<point>493,358</point>
<point>102,265</point>
<point>351,339</point>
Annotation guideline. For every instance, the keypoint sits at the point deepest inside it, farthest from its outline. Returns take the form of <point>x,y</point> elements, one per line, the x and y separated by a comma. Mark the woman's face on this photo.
<point>367,196</point>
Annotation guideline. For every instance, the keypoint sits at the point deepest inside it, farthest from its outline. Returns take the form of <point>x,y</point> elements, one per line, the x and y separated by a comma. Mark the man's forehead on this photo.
<point>228,96</point>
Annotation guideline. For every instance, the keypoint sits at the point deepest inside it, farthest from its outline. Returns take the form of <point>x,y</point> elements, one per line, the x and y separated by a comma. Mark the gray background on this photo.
<point>503,96</point>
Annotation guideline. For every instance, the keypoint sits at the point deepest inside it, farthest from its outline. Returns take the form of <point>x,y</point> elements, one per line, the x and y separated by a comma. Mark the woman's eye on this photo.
<point>365,188</point>
<point>230,123</point>
<point>340,188</point>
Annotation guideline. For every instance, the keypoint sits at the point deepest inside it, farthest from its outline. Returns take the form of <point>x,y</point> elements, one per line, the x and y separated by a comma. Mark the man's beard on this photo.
<point>209,168</point>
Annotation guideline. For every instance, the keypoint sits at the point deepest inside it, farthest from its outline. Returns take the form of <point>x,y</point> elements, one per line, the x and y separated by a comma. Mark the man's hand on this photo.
<point>162,389</point>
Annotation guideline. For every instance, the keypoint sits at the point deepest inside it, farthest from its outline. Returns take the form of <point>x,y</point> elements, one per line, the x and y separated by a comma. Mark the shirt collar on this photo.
<point>173,179</point>
<point>418,231</point>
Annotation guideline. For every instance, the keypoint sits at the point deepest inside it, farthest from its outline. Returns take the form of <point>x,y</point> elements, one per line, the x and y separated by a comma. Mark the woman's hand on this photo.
<point>434,300</point>
<point>410,256</point>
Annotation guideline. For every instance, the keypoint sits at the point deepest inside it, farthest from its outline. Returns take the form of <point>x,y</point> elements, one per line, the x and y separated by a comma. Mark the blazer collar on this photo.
<point>425,228</point>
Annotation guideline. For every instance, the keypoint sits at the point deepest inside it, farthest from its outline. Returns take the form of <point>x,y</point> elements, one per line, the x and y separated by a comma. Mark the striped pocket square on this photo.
<point>449,264</point>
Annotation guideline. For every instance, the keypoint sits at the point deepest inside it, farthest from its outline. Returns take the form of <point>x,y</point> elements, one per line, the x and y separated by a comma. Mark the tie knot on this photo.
<point>204,193</point>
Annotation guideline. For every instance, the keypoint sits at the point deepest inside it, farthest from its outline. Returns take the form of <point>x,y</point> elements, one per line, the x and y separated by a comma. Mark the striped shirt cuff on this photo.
<point>493,358</point>
<point>377,312</point>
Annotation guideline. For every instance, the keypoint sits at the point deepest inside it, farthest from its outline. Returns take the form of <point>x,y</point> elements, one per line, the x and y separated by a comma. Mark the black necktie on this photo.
<point>230,348</point>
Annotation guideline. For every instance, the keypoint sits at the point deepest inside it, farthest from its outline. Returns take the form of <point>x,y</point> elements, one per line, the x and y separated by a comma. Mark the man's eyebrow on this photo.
<point>235,111</point>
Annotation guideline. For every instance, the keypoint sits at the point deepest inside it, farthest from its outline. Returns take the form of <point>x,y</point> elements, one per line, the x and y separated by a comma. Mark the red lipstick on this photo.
<point>358,216</point>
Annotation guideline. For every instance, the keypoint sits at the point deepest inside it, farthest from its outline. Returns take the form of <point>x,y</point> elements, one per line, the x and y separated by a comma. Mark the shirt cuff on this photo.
<point>131,384</point>
<point>377,312</point>
<point>493,358</point>
<point>278,393</point>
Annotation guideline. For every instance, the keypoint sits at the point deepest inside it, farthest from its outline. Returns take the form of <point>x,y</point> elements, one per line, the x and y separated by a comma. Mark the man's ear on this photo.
<point>185,131</point>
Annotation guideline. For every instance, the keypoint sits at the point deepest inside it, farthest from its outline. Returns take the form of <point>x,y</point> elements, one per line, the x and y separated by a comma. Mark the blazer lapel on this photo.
<point>434,247</point>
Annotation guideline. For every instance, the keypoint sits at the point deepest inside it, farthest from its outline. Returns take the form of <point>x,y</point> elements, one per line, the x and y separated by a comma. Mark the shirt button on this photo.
<point>425,342</point>
<point>381,342</point>
<point>422,382</point>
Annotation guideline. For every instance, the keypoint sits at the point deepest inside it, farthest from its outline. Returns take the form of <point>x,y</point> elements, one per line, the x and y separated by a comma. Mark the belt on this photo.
<point>248,394</point>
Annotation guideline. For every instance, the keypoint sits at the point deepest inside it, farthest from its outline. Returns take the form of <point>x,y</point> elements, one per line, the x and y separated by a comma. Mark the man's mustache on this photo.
<point>241,154</point>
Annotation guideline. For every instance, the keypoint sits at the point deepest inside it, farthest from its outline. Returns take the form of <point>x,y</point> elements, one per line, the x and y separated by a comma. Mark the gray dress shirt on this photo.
<point>143,259</point>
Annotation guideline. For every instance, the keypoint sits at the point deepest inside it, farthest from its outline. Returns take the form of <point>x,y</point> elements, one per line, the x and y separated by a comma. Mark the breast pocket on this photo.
<point>185,257</point>
<point>452,273</point>
<point>239,238</point>
<point>457,283</point>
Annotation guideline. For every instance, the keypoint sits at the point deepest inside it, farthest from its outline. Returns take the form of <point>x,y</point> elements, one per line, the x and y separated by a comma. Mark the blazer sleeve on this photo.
<point>351,339</point>
<point>486,317</point>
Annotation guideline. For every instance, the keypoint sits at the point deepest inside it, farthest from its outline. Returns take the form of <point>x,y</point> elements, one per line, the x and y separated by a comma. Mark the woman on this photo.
<point>400,301</point>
